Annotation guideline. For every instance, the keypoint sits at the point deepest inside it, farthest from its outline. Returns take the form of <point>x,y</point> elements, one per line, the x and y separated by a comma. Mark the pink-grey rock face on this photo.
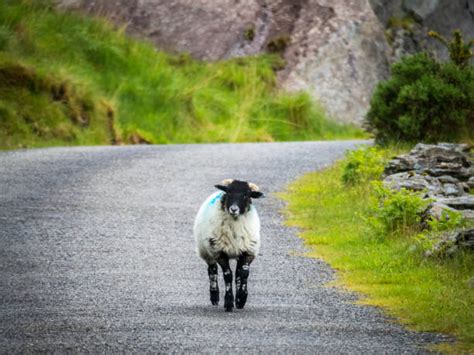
<point>338,54</point>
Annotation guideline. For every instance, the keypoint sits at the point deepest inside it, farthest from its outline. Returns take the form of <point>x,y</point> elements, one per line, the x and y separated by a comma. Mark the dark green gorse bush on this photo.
<point>424,100</point>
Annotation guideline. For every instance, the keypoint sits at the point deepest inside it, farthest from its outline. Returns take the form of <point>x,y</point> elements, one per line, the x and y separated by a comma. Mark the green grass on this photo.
<point>390,272</point>
<point>123,89</point>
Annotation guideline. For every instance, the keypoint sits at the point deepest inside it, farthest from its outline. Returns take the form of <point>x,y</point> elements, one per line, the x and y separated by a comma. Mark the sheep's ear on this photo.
<point>221,187</point>
<point>256,194</point>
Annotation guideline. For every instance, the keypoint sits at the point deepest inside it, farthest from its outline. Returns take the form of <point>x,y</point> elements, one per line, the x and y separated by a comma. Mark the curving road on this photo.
<point>97,255</point>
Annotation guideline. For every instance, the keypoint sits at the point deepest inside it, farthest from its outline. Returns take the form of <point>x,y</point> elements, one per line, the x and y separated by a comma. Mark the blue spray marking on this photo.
<point>217,197</point>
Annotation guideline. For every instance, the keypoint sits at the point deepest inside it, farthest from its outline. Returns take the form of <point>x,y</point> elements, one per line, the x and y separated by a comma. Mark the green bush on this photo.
<point>395,212</point>
<point>423,101</point>
<point>363,165</point>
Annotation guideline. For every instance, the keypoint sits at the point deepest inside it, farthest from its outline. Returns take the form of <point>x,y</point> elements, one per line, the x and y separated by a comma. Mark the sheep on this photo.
<point>227,226</point>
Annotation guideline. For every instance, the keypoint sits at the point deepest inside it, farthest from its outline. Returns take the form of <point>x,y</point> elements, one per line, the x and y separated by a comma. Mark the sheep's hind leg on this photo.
<point>214,286</point>
<point>241,276</point>
<point>223,261</point>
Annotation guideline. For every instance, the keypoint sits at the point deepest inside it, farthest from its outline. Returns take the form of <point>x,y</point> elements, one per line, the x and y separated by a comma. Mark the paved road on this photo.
<point>97,255</point>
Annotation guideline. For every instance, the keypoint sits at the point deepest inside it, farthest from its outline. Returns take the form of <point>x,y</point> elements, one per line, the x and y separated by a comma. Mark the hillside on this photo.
<point>336,50</point>
<point>69,79</point>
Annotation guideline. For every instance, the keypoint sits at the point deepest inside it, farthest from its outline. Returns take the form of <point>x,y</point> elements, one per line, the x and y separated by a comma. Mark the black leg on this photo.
<point>214,286</point>
<point>241,276</point>
<point>223,261</point>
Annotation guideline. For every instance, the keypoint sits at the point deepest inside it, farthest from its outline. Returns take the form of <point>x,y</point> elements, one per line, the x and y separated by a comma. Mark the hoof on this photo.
<point>229,302</point>
<point>241,299</point>
<point>215,298</point>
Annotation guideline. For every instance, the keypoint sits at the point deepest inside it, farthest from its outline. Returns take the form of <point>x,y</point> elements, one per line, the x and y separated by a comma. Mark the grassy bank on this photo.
<point>389,270</point>
<point>68,79</point>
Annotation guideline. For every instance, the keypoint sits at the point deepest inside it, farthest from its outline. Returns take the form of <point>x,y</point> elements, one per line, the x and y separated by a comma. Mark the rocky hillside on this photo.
<point>337,50</point>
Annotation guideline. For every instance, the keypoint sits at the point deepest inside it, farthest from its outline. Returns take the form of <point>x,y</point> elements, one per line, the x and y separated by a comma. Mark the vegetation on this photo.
<point>278,44</point>
<point>249,34</point>
<point>68,79</point>
<point>363,165</point>
<point>460,52</point>
<point>372,236</point>
<point>425,100</point>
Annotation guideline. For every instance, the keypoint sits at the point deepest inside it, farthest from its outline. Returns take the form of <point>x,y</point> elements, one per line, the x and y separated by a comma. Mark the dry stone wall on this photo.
<point>444,173</point>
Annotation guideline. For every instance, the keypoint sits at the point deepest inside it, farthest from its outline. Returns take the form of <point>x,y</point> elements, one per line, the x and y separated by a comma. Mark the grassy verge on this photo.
<point>389,270</point>
<point>70,79</point>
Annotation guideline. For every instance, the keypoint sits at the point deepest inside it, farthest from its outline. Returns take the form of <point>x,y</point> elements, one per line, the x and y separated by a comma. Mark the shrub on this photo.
<point>423,101</point>
<point>362,165</point>
<point>395,212</point>
<point>459,51</point>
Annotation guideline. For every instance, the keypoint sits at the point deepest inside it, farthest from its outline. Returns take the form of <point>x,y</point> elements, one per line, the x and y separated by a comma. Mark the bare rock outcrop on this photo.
<point>338,53</point>
<point>408,21</point>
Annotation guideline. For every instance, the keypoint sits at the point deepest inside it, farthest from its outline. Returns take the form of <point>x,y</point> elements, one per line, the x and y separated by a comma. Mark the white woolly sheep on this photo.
<point>227,227</point>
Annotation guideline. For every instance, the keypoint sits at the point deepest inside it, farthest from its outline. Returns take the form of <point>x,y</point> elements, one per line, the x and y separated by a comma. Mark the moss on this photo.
<point>394,24</point>
<point>249,34</point>
<point>278,44</point>
<point>406,22</point>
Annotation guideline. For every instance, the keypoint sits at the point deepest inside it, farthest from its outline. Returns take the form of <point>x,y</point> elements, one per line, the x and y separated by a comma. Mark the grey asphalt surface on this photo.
<point>97,255</point>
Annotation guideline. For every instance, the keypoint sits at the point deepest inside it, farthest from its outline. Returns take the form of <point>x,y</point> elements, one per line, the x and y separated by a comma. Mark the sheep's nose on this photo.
<point>234,210</point>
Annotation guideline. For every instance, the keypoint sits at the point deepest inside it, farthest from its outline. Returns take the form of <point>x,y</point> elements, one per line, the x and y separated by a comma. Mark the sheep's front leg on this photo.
<point>213,284</point>
<point>241,276</point>
<point>223,261</point>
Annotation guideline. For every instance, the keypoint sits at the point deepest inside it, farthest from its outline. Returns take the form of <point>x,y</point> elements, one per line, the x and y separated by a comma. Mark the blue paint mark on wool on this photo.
<point>217,197</point>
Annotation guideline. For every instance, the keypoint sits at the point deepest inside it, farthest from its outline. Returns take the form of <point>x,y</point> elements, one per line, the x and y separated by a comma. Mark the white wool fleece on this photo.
<point>216,231</point>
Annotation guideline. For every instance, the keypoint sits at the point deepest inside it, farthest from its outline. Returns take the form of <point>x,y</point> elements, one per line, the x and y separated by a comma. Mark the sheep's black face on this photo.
<point>238,196</point>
